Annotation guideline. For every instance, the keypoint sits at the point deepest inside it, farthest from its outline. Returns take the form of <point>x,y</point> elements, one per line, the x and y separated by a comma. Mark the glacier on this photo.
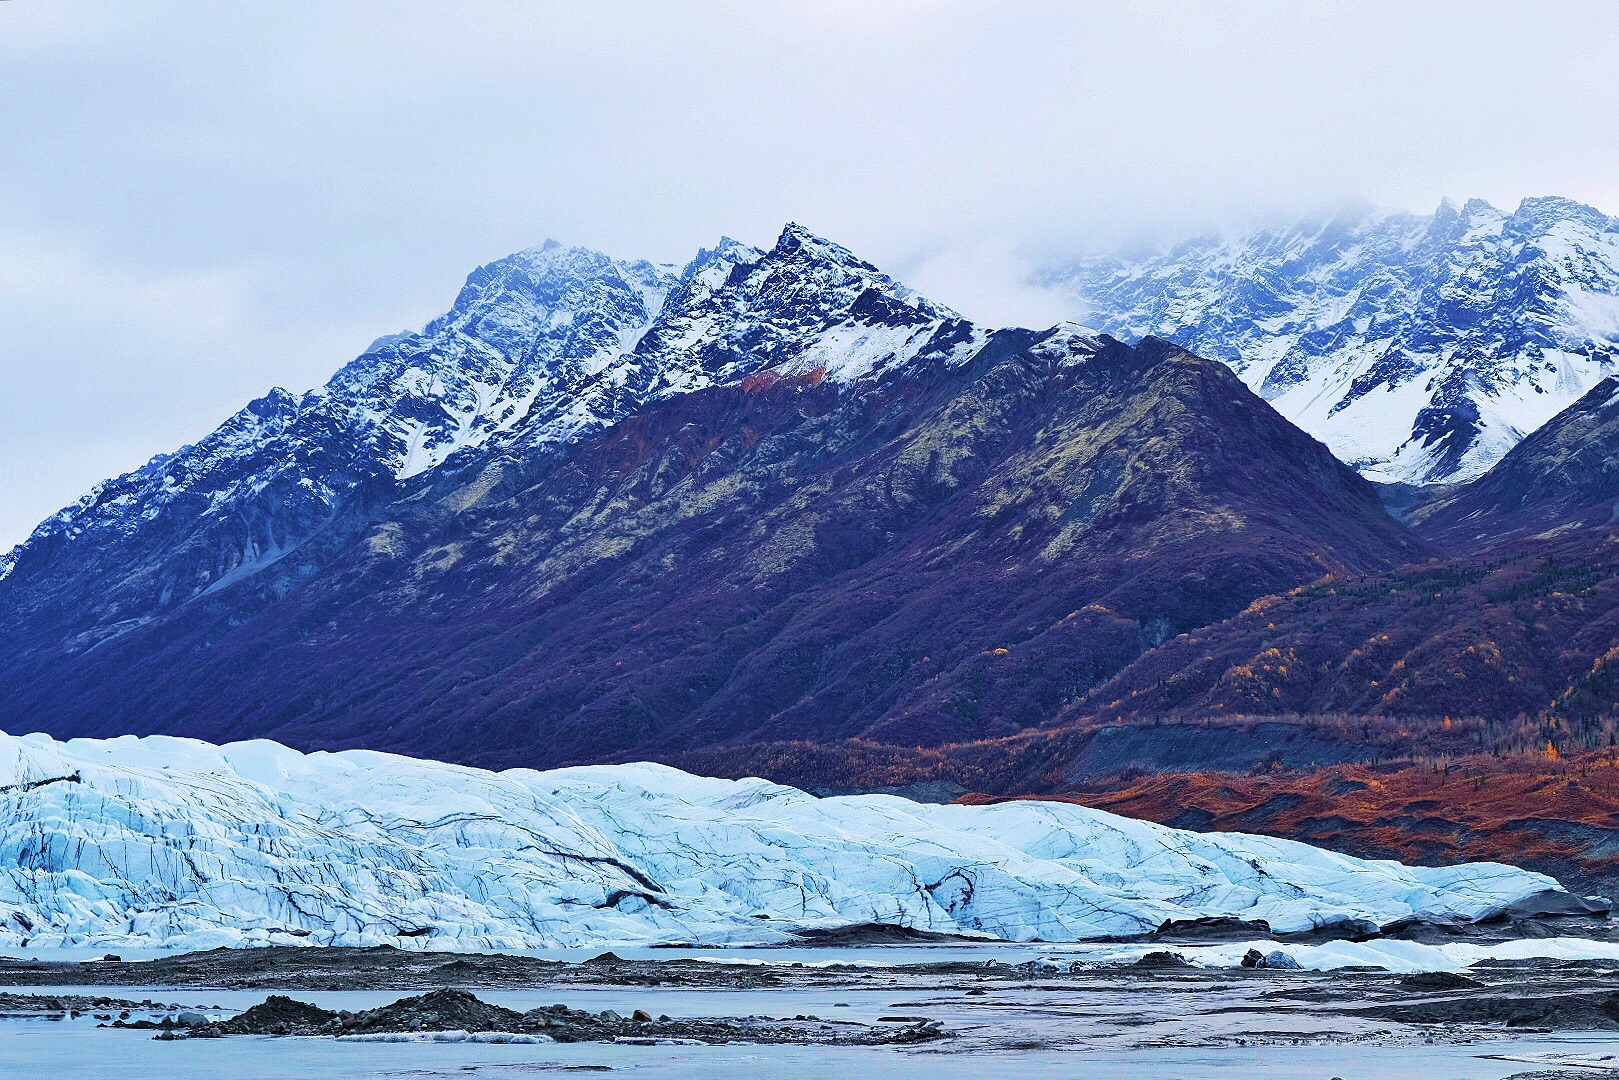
<point>177,843</point>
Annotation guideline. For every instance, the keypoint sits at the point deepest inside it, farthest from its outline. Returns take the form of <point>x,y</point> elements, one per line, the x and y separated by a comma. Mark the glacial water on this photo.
<point>66,1050</point>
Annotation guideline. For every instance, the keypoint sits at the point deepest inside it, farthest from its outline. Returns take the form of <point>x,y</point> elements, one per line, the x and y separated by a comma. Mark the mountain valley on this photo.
<point>772,513</point>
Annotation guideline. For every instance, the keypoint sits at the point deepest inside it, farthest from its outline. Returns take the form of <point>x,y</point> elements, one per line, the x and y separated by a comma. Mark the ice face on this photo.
<point>180,843</point>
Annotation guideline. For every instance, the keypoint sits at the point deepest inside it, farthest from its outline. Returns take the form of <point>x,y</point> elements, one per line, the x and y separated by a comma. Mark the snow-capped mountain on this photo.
<point>943,552</point>
<point>1420,349</point>
<point>807,305</point>
<point>1563,475</point>
<point>540,348</point>
<point>528,338</point>
<point>183,844</point>
<point>525,338</point>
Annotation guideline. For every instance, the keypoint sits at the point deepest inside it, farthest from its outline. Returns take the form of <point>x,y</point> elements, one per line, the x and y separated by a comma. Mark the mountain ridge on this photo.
<point>777,498</point>
<point>539,348</point>
<point>937,550</point>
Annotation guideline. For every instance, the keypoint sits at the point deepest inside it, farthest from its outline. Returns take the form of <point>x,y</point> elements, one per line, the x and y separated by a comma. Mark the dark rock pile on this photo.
<point>457,1010</point>
<point>280,1015</point>
<point>1597,1011</point>
<point>1162,960</point>
<point>32,1004</point>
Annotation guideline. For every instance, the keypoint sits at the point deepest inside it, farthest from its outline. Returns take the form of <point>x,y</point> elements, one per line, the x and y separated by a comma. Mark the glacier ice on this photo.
<point>178,843</point>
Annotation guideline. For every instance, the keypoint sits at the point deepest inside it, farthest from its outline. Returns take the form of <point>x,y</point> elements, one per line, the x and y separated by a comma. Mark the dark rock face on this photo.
<point>941,551</point>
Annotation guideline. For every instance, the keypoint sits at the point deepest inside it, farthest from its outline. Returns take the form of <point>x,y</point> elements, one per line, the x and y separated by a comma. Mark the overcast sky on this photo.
<point>199,201</point>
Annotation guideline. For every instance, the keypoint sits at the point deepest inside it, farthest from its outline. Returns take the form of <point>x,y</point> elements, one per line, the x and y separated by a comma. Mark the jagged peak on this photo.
<point>278,400</point>
<point>550,258</point>
<point>554,260</point>
<point>801,256</point>
<point>1478,219</point>
<point>524,278</point>
<point>715,263</point>
<point>529,266</point>
<point>731,248</point>
<point>1548,210</point>
<point>798,244</point>
<point>794,238</point>
<point>1068,341</point>
<point>551,250</point>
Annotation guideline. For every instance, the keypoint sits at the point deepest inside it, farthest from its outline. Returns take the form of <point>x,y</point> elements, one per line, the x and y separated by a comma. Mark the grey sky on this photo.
<point>201,200</point>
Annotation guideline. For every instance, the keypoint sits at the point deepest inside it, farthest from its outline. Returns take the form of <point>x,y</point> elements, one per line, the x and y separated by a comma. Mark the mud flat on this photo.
<point>1156,1000</point>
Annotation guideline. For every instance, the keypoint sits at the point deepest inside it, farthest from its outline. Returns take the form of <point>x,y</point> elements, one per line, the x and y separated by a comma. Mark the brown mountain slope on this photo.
<point>1557,817</point>
<point>1522,619</point>
<point>1527,629</point>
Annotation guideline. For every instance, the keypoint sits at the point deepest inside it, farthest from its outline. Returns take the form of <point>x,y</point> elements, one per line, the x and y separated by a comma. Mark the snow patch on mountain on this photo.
<point>527,332</point>
<point>1420,349</point>
<point>806,305</point>
<point>179,843</point>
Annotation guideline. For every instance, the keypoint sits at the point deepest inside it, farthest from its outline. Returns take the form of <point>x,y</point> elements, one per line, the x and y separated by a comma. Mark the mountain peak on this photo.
<point>1066,342</point>
<point>794,237</point>
<point>805,305</point>
<point>710,267</point>
<point>1545,211</point>
<point>278,401</point>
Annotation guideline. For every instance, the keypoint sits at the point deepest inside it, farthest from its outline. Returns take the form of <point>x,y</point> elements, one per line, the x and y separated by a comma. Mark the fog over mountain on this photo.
<point>1420,348</point>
